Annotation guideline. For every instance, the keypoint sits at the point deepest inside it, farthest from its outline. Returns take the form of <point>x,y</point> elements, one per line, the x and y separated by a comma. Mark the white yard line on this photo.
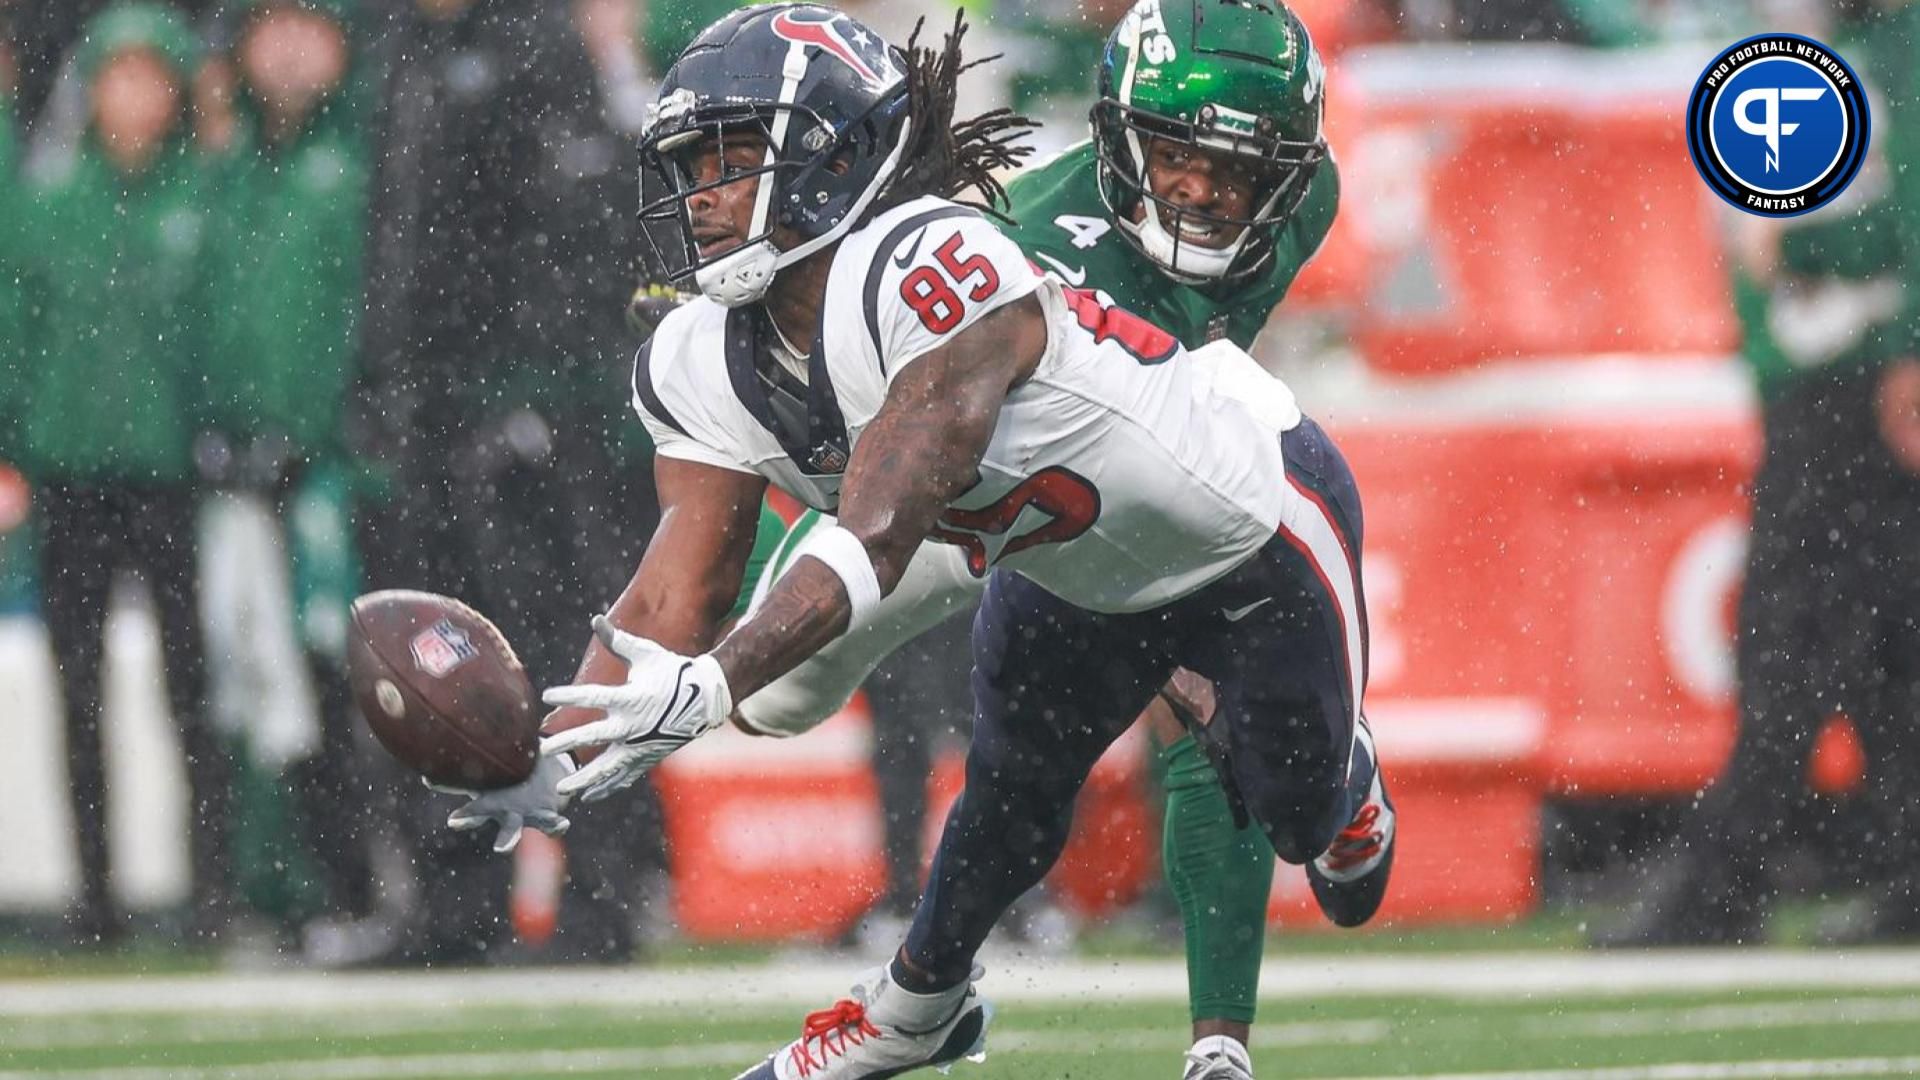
<point>238,1029</point>
<point>734,1054</point>
<point>808,981</point>
<point>124,1030</point>
<point>1698,1070</point>
<point>1546,1023</point>
<point>1750,1017</point>
<point>594,1062</point>
<point>401,1066</point>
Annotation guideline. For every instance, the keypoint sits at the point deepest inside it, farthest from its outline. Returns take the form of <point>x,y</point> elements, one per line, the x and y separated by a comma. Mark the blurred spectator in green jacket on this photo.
<point>15,578</point>
<point>113,267</point>
<point>11,251</point>
<point>287,249</point>
<point>496,365</point>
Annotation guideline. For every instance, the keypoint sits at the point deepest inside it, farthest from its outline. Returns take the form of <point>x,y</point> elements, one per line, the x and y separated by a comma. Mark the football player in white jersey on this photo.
<point>879,351</point>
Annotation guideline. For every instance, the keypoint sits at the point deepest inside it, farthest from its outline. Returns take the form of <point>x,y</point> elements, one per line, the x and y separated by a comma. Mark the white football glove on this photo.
<point>535,801</point>
<point>668,701</point>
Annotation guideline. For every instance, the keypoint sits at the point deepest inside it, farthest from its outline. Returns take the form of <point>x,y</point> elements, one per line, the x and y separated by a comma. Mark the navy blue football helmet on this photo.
<point>828,96</point>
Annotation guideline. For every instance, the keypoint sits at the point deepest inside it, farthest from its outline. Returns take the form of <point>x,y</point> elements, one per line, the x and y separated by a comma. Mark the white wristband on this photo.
<point>847,557</point>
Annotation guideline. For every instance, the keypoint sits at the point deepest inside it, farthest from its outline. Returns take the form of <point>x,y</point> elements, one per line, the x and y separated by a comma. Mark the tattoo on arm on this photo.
<point>804,612</point>
<point>921,451</point>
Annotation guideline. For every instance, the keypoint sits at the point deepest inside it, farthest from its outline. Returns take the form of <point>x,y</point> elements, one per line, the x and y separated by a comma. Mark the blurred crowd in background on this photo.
<point>304,298</point>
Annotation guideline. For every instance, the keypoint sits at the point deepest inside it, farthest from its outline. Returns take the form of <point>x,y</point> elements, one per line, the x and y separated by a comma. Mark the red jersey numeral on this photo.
<point>932,295</point>
<point>927,293</point>
<point>1148,343</point>
<point>1070,501</point>
<point>962,269</point>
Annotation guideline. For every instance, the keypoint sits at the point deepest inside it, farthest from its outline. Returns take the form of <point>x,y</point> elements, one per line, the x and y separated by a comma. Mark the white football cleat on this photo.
<point>880,1030</point>
<point>1218,1057</point>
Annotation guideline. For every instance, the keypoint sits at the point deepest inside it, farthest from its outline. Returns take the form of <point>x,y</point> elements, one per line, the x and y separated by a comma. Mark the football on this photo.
<point>442,690</point>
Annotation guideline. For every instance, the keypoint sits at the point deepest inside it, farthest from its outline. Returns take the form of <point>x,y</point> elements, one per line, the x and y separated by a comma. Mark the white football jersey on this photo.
<point>1126,472</point>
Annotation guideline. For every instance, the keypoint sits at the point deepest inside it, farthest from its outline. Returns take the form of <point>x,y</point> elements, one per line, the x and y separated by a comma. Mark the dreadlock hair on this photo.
<point>946,158</point>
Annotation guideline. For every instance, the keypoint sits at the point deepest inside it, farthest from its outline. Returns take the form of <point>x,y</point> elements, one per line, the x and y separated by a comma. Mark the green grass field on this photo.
<point>1542,1014</point>
<point>1731,1035</point>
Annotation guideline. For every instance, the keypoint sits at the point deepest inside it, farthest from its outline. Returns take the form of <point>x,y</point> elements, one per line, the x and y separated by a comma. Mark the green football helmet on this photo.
<point>1239,77</point>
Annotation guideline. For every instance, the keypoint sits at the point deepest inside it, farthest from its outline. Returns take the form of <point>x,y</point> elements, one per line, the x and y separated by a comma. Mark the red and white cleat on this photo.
<point>881,1030</point>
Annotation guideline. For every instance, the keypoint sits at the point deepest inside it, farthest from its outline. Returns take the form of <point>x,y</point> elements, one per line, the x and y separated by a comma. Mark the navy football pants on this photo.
<point>1054,684</point>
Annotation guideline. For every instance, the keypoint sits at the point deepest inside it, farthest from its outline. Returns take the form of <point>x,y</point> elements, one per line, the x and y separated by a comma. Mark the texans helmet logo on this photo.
<point>824,35</point>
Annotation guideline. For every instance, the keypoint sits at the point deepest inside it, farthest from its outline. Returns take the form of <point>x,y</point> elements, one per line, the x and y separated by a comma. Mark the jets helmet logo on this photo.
<point>1777,125</point>
<point>824,35</point>
<point>1145,29</point>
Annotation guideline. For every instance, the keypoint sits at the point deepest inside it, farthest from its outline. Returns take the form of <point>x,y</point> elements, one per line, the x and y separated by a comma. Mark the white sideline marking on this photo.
<point>1696,1070</point>
<point>736,1054</point>
<point>239,1029</point>
<point>589,1062</point>
<point>400,1066</point>
<point>811,980</point>
<point>1727,1018</point>
<point>235,1028</point>
<point>242,1027</point>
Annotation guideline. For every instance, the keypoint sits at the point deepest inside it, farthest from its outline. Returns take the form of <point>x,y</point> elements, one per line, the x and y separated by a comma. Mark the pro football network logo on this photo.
<point>1777,125</point>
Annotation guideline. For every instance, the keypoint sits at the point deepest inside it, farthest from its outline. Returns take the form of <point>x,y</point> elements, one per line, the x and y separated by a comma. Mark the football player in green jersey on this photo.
<point>1204,189</point>
<point>1206,185</point>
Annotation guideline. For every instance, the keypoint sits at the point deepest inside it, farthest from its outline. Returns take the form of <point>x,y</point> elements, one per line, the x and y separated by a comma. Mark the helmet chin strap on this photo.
<point>739,277</point>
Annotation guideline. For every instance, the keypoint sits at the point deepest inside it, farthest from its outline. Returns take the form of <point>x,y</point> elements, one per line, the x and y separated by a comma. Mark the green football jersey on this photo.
<point>1061,222</point>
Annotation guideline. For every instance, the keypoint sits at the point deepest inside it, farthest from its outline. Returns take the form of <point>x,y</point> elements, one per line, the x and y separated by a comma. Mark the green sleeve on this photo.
<point>195,321</point>
<point>12,308</point>
<point>343,259</point>
<point>22,295</point>
<point>766,539</point>
<point>219,268</point>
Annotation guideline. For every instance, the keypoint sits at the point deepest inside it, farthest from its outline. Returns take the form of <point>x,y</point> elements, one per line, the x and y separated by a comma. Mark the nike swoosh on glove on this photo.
<point>668,701</point>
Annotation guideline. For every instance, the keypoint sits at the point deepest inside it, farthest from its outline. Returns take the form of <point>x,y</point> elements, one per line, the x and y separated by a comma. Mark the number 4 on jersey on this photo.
<point>1086,231</point>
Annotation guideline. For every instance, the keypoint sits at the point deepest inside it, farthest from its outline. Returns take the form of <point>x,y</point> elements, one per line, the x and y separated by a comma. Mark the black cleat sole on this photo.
<point>1352,903</point>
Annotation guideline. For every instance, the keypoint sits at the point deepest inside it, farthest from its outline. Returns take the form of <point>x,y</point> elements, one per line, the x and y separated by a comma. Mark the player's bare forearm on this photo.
<point>921,451</point>
<point>807,609</point>
<point>690,574</point>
